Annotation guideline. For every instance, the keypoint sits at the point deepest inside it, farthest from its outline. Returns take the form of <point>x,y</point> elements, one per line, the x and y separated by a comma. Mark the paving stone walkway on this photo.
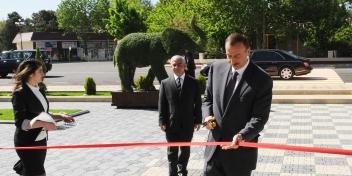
<point>308,125</point>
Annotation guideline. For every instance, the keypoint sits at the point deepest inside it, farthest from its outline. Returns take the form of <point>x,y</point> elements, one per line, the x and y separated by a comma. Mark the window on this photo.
<point>27,54</point>
<point>16,55</point>
<point>266,56</point>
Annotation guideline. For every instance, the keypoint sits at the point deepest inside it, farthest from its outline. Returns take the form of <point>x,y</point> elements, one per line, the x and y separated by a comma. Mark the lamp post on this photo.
<point>20,23</point>
<point>69,54</point>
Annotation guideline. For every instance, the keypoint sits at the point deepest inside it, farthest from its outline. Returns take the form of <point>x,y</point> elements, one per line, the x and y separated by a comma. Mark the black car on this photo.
<point>9,60</point>
<point>276,63</point>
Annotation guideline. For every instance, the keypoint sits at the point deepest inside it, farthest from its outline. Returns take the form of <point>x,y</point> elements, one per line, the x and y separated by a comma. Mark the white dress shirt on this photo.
<point>42,135</point>
<point>240,73</point>
<point>182,77</point>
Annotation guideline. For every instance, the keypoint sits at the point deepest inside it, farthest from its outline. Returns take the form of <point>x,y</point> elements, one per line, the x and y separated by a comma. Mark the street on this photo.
<point>104,73</point>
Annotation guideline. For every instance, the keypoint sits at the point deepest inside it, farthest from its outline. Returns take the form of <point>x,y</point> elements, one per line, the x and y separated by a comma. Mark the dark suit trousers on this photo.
<point>217,166</point>
<point>178,162</point>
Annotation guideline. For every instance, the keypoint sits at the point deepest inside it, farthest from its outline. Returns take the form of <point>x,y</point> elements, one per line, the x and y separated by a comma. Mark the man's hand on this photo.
<point>162,127</point>
<point>197,126</point>
<point>236,140</point>
<point>210,122</point>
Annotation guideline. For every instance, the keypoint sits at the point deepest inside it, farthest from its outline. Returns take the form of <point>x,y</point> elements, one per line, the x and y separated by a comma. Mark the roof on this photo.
<point>26,37</point>
<point>58,36</point>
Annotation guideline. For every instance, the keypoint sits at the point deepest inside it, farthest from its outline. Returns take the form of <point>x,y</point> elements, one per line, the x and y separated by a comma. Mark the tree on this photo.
<point>124,19</point>
<point>79,16</point>
<point>316,27</point>
<point>179,14</point>
<point>9,31</point>
<point>45,21</point>
<point>27,25</point>
<point>73,15</point>
<point>2,27</point>
<point>100,15</point>
<point>39,57</point>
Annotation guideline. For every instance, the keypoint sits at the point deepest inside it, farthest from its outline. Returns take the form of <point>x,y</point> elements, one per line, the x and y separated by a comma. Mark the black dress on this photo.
<point>27,106</point>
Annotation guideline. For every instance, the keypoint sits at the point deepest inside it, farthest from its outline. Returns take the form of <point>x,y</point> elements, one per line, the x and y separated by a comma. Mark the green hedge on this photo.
<point>89,86</point>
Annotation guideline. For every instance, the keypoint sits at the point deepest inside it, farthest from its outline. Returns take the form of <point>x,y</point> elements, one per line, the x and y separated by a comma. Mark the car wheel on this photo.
<point>286,73</point>
<point>3,75</point>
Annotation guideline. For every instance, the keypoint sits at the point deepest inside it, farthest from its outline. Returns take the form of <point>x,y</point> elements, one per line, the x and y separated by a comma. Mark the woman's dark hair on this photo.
<point>24,70</point>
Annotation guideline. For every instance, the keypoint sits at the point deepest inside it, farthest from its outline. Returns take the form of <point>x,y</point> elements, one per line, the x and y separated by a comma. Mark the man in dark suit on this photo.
<point>236,107</point>
<point>179,113</point>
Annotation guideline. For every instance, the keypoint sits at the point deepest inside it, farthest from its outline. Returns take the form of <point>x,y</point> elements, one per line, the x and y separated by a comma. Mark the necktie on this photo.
<point>178,83</point>
<point>230,88</point>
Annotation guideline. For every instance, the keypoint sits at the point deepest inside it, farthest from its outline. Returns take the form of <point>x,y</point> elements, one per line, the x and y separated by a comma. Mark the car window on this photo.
<point>266,56</point>
<point>255,56</point>
<point>28,54</point>
<point>13,55</point>
<point>16,55</point>
<point>261,56</point>
<point>277,57</point>
<point>5,56</point>
<point>290,54</point>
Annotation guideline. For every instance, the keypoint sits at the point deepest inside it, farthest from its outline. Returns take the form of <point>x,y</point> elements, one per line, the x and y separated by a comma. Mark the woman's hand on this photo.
<point>65,117</point>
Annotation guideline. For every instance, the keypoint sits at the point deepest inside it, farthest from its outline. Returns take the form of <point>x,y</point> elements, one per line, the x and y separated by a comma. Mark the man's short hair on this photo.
<point>236,38</point>
<point>178,57</point>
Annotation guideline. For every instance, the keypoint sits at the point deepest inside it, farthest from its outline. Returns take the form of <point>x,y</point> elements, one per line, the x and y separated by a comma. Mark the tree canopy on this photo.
<point>127,17</point>
<point>45,21</point>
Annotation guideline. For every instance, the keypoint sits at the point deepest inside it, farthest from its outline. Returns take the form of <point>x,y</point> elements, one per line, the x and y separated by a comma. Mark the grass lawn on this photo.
<point>66,93</point>
<point>7,114</point>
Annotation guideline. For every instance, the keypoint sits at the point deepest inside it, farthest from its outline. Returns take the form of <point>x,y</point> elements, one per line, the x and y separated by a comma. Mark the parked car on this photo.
<point>9,60</point>
<point>276,63</point>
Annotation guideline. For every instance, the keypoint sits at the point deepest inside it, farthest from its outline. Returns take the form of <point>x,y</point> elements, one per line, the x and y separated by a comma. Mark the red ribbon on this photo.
<point>165,144</point>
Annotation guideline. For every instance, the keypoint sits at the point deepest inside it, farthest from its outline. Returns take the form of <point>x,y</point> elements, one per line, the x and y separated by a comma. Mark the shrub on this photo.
<point>89,86</point>
<point>42,86</point>
<point>143,84</point>
<point>202,83</point>
<point>39,57</point>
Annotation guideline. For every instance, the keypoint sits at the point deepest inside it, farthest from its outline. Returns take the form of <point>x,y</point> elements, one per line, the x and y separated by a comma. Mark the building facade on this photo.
<point>68,47</point>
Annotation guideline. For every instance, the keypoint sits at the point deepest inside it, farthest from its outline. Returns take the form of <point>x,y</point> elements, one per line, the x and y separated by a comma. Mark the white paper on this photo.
<point>65,125</point>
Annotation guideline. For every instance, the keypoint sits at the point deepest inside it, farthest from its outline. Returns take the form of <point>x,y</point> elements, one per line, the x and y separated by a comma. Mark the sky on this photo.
<point>26,7</point>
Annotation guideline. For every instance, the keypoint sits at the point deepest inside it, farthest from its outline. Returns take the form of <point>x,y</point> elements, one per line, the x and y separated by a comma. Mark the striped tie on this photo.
<point>178,83</point>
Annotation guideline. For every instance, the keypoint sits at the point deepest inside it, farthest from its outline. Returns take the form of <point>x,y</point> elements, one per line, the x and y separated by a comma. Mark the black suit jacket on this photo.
<point>246,113</point>
<point>180,111</point>
<point>26,106</point>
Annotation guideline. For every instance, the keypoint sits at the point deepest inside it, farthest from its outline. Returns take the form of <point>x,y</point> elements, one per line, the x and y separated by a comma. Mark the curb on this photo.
<point>7,122</point>
<point>312,99</point>
<point>312,92</point>
<point>68,99</point>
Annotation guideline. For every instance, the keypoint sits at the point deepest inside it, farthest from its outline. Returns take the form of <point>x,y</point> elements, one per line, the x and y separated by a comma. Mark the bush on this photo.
<point>89,86</point>
<point>175,41</point>
<point>202,83</point>
<point>42,86</point>
<point>143,84</point>
<point>39,57</point>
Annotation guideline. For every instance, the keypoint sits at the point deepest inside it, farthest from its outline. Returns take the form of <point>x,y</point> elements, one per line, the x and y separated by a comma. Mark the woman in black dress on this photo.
<point>28,102</point>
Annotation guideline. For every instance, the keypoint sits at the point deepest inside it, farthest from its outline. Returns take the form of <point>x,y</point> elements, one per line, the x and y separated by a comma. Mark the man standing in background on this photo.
<point>179,113</point>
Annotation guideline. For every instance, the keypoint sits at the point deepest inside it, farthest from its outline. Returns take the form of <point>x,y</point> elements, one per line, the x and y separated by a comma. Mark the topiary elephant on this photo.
<point>141,50</point>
